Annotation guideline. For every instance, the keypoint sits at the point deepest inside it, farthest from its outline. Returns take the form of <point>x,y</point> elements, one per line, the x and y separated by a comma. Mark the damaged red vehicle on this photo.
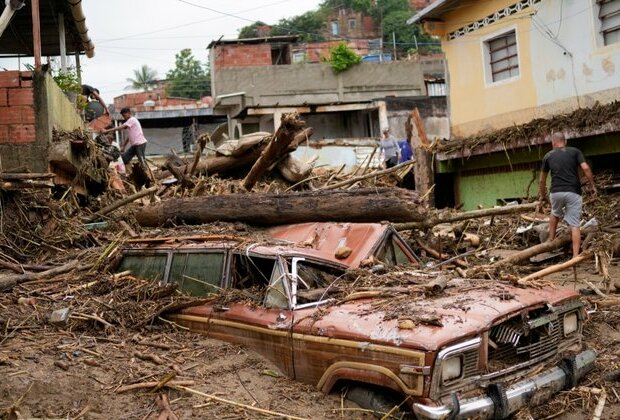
<point>479,349</point>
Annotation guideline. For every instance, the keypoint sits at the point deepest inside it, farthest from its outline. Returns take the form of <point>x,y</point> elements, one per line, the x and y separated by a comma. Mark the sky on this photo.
<point>130,33</point>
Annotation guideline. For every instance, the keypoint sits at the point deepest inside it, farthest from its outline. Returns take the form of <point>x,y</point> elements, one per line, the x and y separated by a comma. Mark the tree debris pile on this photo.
<point>582,119</point>
<point>79,162</point>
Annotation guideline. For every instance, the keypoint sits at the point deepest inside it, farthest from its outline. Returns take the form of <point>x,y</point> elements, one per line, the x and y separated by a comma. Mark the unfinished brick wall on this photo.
<point>239,55</point>
<point>17,121</point>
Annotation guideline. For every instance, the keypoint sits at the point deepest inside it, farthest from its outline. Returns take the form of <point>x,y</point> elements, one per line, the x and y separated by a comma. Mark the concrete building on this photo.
<point>517,70</point>
<point>348,109</point>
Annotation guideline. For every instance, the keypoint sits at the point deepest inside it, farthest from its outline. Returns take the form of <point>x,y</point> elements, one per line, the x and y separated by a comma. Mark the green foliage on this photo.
<point>145,78</point>
<point>190,78</point>
<point>308,26</point>
<point>390,15</point>
<point>341,58</point>
<point>68,80</point>
<point>250,31</point>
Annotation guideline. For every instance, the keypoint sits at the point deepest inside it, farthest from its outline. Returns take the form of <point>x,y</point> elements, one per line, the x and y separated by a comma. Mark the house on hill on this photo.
<point>519,70</point>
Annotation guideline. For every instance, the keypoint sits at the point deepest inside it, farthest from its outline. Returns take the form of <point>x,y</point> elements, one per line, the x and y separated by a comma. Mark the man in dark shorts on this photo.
<point>564,162</point>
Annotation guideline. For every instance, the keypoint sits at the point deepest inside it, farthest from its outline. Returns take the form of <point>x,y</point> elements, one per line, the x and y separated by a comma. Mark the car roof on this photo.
<point>321,240</point>
<point>314,240</point>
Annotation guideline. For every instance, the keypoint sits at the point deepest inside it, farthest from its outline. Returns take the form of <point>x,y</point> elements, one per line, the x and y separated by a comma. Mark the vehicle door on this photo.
<point>259,315</point>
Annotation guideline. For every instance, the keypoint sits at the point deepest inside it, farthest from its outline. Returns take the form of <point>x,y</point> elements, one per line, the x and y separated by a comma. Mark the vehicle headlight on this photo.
<point>571,323</point>
<point>451,368</point>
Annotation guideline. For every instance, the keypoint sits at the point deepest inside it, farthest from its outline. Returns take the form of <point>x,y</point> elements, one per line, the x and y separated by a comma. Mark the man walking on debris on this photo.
<point>135,137</point>
<point>564,162</point>
<point>390,149</point>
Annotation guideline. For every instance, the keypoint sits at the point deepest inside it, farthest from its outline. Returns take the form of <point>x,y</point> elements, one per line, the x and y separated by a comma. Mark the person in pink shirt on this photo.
<point>135,137</point>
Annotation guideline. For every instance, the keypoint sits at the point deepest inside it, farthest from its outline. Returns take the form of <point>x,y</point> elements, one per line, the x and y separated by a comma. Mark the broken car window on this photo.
<point>390,253</point>
<point>197,273</point>
<point>247,272</point>
<point>313,281</point>
<point>277,296</point>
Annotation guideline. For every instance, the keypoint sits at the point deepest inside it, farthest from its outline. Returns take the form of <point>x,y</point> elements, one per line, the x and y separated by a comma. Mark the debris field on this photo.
<point>79,340</point>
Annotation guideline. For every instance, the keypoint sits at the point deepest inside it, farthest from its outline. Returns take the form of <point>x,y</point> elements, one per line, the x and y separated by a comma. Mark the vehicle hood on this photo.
<point>426,324</point>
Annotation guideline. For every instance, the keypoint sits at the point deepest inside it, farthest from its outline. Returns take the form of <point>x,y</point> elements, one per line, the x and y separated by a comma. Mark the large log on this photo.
<point>526,254</point>
<point>236,160</point>
<point>362,205</point>
<point>278,146</point>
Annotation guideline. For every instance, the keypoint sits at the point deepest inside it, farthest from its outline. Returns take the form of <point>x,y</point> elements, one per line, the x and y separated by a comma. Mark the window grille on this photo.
<point>609,15</point>
<point>503,57</point>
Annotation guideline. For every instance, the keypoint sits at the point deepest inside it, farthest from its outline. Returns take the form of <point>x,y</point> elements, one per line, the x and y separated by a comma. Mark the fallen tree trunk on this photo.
<point>12,176</point>
<point>528,253</point>
<point>202,142</point>
<point>294,170</point>
<point>277,147</point>
<point>121,203</point>
<point>366,176</point>
<point>363,205</point>
<point>439,217</point>
<point>8,282</point>
<point>554,269</point>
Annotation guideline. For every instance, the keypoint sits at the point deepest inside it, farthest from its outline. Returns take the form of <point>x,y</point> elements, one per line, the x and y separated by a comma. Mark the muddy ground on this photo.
<point>54,373</point>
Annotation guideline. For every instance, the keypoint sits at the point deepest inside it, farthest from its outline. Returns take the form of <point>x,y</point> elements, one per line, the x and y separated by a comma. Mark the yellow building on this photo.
<point>512,62</point>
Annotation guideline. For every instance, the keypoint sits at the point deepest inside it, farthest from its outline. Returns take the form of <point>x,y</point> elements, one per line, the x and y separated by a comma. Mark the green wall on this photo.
<point>484,190</point>
<point>484,179</point>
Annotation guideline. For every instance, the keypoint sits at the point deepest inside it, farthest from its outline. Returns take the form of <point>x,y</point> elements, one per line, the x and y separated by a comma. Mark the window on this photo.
<point>298,57</point>
<point>609,15</point>
<point>502,58</point>
<point>352,23</point>
<point>392,254</point>
<point>335,27</point>
<point>197,273</point>
<point>435,87</point>
<point>151,267</point>
<point>277,296</point>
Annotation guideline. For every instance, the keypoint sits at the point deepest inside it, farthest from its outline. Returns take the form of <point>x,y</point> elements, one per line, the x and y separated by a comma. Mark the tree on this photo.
<point>308,26</point>
<point>190,78</point>
<point>251,31</point>
<point>145,78</point>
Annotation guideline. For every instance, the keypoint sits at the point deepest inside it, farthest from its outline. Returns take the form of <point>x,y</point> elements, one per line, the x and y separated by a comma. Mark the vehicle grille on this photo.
<point>515,344</point>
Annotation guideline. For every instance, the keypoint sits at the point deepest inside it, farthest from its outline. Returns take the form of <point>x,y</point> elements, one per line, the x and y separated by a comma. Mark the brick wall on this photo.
<point>239,55</point>
<point>315,51</point>
<point>17,122</point>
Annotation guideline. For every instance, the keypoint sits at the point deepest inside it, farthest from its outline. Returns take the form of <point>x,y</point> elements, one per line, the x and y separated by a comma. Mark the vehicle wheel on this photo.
<point>377,400</point>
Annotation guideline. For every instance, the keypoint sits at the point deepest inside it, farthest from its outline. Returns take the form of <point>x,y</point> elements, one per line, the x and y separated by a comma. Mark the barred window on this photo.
<point>609,15</point>
<point>502,56</point>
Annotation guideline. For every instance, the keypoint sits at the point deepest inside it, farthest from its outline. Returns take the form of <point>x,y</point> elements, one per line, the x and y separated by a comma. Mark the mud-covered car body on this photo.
<point>489,350</point>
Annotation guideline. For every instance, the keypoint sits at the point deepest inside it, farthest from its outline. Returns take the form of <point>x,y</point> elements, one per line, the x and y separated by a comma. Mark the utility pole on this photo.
<point>394,44</point>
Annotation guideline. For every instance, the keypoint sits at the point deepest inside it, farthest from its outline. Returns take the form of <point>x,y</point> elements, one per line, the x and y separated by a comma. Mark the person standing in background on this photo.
<point>389,149</point>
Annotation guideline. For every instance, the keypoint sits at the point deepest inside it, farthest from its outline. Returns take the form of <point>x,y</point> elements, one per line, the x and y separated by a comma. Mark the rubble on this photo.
<point>62,308</point>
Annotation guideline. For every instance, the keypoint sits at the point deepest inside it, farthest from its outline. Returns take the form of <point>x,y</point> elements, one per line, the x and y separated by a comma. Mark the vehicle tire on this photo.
<point>378,400</point>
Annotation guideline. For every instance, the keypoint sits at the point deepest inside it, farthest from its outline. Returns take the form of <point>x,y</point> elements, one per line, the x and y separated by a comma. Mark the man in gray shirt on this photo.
<point>564,162</point>
<point>389,149</point>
